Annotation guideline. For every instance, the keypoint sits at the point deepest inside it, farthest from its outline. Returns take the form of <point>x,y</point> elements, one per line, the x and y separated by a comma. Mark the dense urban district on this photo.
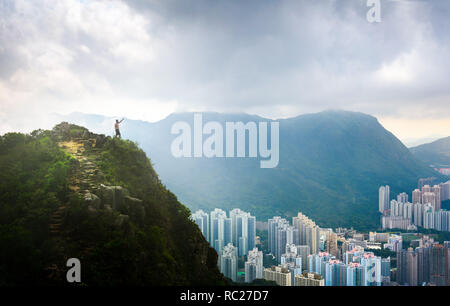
<point>411,248</point>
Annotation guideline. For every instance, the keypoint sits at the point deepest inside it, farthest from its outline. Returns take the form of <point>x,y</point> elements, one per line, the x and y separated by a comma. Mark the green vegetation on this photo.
<point>384,253</point>
<point>33,174</point>
<point>160,246</point>
<point>408,236</point>
<point>437,235</point>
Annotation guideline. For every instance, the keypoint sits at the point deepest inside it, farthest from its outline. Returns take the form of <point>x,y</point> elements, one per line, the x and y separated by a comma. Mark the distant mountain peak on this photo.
<point>436,153</point>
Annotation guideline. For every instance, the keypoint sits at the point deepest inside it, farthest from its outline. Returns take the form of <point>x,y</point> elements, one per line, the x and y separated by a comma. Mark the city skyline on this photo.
<point>306,255</point>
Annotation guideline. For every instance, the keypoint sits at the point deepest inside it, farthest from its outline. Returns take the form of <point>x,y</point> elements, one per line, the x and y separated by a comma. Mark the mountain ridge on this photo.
<point>435,153</point>
<point>331,165</point>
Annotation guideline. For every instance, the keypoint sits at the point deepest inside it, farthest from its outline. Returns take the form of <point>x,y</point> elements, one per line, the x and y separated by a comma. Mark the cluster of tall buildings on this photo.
<point>228,262</point>
<point>424,210</point>
<point>280,233</point>
<point>308,254</point>
<point>294,259</point>
<point>232,236</point>
<point>427,263</point>
<point>357,268</point>
<point>428,195</point>
<point>239,229</point>
<point>303,232</point>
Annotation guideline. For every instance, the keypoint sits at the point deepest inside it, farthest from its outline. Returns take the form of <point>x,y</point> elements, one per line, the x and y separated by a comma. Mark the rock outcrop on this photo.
<point>88,181</point>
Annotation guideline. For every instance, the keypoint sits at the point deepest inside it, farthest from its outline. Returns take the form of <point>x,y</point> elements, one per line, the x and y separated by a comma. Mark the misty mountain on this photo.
<point>436,153</point>
<point>330,167</point>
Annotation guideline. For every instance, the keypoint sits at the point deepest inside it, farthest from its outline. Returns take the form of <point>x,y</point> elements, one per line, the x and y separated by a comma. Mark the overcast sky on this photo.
<point>145,59</point>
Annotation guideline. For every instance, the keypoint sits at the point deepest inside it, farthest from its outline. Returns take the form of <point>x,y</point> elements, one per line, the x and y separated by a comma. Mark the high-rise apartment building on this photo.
<point>445,191</point>
<point>426,264</point>
<point>280,233</point>
<point>202,220</point>
<point>285,235</point>
<point>411,273</point>
<point>438,265</point>
<point>432,195</point>
<point>278,274</point>
<point>303,251</point>
<point>292,260</point>
<point>423,264</point>
<point>228,262</point>
<point>272,228</point>
<point>429,198</point>
<point>243,231</point>
<point>401,209</point>
<point>386,270</point>
<point>383,198</point>
<point>436,189</point>
<point>335,273</point>
<point>309,279</point>
<point>254,266</point>
<point>220,229</point>
<point>417,196</point>
<point>396,222</point>
<point>356,275</point>
<point>402,197</point>
<point>331,244</point>
<point>308,232</point>
<point>316,262</point>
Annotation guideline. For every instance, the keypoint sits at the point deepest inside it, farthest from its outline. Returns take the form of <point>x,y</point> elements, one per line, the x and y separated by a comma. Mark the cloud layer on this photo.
<point>145,59</point>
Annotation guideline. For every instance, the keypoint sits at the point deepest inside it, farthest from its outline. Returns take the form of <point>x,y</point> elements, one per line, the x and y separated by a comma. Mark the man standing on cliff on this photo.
<point>116,127</point>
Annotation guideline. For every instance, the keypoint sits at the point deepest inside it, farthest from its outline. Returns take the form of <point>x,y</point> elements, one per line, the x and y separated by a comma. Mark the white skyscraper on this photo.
<point>383,198</point>
<point>303,251</point>
<point>402,197</point>
<point>417,196</point>
<point>285,235</point>
<point>430,198</point>
<point>202,220</point>
<point>436,189</point>
<point>243,231</point>
<point>254,266</point>
<point>280,233</point>
<point>272,227</point>
<point>292,261</point>
<point>228,262</point>
<point>220,229</point>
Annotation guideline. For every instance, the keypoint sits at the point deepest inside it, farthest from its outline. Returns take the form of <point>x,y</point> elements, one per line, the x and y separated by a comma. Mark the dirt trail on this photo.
<point>82,181</point>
